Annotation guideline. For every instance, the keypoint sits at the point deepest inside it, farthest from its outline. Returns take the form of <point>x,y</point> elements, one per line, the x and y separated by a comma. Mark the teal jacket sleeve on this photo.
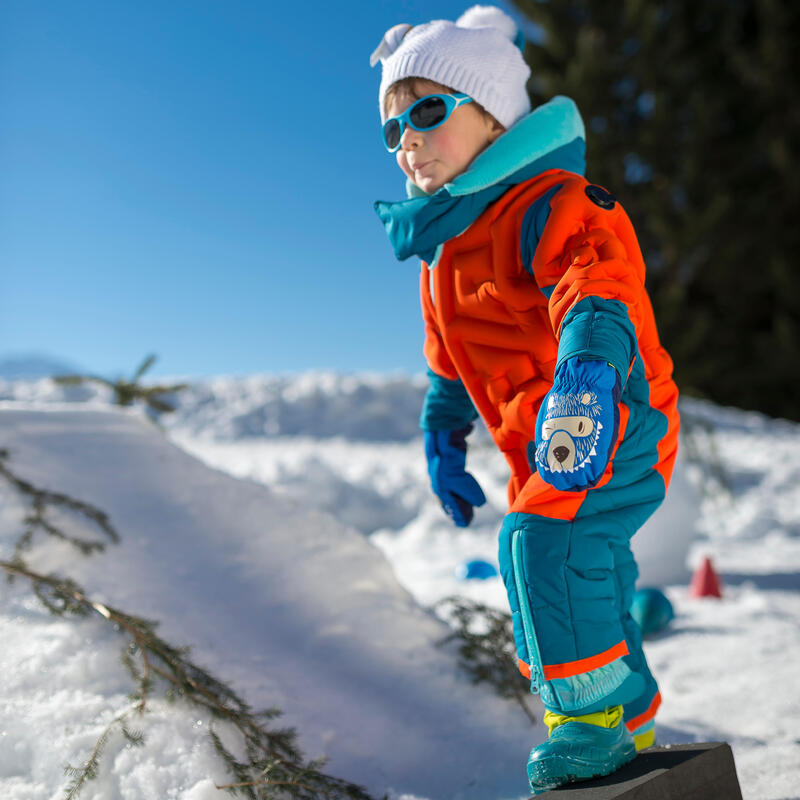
<point>598,329</point>
<point>447,406</point>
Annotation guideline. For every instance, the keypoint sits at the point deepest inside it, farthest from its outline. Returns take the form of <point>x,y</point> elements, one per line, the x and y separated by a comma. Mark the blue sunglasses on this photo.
<point>427,113</point>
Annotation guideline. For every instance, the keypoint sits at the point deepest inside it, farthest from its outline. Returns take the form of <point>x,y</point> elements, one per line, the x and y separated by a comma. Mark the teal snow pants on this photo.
<point>570,577</point>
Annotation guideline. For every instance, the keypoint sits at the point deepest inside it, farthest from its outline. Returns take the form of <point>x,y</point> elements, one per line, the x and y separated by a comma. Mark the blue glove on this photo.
<point>577,425</point>
<point>457,490</point>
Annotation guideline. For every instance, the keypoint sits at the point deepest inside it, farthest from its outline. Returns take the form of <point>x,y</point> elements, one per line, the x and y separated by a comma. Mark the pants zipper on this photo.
<point>525,611</point>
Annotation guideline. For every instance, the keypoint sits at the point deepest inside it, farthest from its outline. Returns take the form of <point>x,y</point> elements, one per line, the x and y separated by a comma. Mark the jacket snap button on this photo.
<point>600,197</point>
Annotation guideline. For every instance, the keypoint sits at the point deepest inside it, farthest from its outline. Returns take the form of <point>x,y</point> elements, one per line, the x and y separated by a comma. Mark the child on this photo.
<point>536,318</point>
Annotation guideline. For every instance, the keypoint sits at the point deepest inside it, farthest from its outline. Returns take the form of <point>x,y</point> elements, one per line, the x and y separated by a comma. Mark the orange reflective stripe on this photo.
<point>645,716</point>
<point>585,664</point>
<point>524,668</point>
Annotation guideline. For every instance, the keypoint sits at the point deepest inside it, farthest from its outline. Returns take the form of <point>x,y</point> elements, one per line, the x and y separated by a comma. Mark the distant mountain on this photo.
<point>14,367</point>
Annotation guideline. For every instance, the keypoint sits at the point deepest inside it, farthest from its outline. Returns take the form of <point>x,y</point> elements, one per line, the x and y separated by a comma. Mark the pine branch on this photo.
<point>77,380</point>
<point>81,775</point>
<point>40,501</point>
<point>272,768</point>
<point>144,366</point>
<point>156,403</point>
<point>485,639</point>
<point>126,392</point>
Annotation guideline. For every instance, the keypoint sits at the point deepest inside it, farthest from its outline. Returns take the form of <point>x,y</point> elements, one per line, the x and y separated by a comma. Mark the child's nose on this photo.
<point>410,138</point>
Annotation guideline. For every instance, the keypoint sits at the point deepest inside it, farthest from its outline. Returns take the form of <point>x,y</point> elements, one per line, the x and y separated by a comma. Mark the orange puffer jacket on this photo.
<point>552,251</point>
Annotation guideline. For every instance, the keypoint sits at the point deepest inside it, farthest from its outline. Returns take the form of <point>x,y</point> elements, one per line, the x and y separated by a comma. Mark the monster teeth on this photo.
<point>592,452</point>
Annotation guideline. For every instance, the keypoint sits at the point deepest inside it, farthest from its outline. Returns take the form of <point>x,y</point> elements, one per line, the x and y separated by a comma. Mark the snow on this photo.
<point>284,529</point>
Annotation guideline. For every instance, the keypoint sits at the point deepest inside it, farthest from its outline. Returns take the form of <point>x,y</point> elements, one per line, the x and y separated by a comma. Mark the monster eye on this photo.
<point>576,426</point>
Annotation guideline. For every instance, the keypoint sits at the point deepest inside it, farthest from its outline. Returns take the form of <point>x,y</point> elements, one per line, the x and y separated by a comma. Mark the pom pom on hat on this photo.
<point>478,55</point>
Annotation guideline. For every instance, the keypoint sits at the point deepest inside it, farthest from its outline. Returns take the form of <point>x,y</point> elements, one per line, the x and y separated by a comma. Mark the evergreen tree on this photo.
<point>693,122</point>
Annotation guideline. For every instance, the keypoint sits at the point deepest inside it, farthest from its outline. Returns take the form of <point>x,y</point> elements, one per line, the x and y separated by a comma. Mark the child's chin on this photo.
<point>431,186</point>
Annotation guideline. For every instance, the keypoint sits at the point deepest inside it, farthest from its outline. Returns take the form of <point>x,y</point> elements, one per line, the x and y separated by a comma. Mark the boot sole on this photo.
<point>551,775</point>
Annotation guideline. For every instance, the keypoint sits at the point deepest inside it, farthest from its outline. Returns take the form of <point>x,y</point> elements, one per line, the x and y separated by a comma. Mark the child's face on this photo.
<point>433,158</point>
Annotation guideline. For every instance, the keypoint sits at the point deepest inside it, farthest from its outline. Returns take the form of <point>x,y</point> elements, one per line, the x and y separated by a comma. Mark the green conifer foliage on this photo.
<point>126,392</point>
<point>485,638</point>
<point>693,123</point>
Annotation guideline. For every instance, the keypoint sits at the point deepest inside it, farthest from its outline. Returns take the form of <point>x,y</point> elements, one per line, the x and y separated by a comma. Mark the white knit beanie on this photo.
<point>478,54</point>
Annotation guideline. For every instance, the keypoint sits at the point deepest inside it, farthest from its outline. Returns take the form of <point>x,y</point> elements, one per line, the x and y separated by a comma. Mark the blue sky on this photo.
<point>196,179</point>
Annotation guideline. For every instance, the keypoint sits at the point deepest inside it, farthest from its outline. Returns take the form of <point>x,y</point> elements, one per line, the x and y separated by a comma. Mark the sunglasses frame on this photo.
<point>451,102</point>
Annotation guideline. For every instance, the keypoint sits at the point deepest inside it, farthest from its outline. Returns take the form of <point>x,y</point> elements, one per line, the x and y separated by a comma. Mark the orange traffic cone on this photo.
<point>705,581</point>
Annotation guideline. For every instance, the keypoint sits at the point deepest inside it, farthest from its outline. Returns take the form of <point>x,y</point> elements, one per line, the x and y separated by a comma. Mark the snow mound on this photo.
<point>292,608</point>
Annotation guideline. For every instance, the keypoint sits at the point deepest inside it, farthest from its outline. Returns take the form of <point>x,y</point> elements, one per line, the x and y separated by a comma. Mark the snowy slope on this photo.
<point>293,608</point>
<point>727,668</point>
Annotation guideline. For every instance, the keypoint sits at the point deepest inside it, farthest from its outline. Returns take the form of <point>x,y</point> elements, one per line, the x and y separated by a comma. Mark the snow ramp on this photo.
<point>288,606</point>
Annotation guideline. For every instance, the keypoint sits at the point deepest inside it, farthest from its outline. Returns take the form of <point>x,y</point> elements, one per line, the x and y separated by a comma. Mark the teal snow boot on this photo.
<point>580,748</point>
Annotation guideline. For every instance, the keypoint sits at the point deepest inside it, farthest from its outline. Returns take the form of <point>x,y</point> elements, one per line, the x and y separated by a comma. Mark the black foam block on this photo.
<point>700,771</point>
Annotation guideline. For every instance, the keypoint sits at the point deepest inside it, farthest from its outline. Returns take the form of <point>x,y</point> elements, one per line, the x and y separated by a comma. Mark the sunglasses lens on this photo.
<point>391,133</point>
<point>429,112</point>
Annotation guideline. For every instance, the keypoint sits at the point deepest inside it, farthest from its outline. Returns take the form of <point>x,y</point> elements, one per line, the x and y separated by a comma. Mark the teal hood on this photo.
<point>551,137</point>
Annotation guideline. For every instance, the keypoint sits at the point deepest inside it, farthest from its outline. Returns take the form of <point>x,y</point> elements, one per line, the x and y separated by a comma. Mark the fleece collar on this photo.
<point>552,136</point>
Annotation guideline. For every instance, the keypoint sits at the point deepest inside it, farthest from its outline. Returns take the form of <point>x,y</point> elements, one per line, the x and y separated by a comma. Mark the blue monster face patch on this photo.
<point>577,425</point>
<point>570,431</point>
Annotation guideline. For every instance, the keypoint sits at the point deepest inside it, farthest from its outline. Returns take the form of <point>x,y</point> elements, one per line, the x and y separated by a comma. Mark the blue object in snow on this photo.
<point>476,569</point>
<point>651,609</point>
